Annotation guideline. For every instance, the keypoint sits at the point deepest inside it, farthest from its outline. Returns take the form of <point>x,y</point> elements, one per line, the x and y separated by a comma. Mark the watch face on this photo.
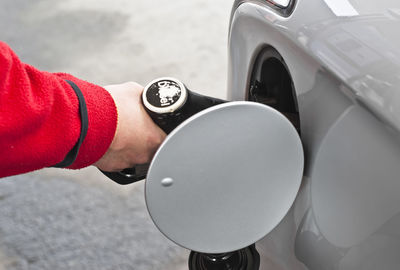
<point>163,93</point>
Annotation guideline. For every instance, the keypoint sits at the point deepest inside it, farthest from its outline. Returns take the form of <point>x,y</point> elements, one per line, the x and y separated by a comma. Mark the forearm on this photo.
<point>40,121</point>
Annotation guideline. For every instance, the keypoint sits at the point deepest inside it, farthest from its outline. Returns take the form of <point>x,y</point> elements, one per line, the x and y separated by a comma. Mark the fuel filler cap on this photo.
<point>225,177</point>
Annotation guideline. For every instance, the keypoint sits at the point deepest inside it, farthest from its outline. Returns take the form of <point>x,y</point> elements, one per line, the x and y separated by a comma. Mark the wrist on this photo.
<point>102,122</point>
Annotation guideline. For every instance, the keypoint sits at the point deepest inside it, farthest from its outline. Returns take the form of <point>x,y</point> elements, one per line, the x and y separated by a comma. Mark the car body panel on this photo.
<point>344,60</point>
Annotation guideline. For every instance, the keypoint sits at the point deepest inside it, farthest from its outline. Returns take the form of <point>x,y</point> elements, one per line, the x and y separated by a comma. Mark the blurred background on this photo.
<point>63,219</point>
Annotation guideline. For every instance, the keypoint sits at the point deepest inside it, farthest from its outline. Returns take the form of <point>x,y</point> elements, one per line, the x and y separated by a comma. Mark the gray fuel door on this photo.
<point>225,177</point>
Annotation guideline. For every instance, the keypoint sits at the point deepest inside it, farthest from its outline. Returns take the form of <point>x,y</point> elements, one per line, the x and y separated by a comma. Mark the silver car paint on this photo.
<point>344,59</point>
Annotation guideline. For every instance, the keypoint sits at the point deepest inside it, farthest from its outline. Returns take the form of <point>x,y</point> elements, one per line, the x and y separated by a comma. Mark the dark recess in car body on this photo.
<point>272,85</point>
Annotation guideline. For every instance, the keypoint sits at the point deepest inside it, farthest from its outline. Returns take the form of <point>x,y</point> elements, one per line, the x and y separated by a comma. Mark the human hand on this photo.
<point>137,137</point>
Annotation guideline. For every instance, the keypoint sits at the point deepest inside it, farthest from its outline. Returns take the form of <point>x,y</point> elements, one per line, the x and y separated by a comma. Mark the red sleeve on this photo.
<point>40,120</point>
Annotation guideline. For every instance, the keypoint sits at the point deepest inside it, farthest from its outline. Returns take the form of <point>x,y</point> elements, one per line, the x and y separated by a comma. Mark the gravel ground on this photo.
<point>59,219</point>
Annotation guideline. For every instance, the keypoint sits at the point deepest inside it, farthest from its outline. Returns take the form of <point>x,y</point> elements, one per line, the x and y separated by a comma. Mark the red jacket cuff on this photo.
<point>102,118</point>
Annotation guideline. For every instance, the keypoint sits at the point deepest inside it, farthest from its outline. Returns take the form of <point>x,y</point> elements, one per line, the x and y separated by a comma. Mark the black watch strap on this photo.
<point>71,156</point>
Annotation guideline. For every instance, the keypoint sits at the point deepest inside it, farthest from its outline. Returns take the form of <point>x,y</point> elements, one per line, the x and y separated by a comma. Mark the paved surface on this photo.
<point>58,219</point>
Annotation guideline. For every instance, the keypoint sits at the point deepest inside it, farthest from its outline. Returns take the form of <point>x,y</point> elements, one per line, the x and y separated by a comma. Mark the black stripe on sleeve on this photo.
<point>71,156</point>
